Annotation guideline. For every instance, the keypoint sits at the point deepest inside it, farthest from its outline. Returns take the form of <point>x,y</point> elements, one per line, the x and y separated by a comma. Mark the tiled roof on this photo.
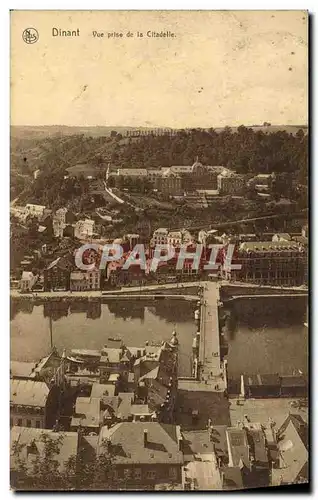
<point>140,410</point>
<point>102,390</point>
<point>218,437</point>
<point>127,443</point>
<point>87,412</point>
<point>27,275</point>
<point>181,169</point>
<point>152,374</point>
<point>85,352</point>
<point>28,393</point>
<point>21,369</point>
<point>293,454</point>
<point>232,478</point>
<point>28,436</point>
<point>238,446</point>
<point>264,380</point>
<point>204,475</point>
<point>268,246</point>
<point>301,426</point>
<point>111,355</point>
<point>125,402</point>
<point>259,446</point>
<point>142,172</point>
<point>197,442</point>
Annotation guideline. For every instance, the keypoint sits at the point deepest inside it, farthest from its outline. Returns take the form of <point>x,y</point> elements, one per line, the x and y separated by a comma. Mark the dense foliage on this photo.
<point>245,150</point>
<point>46,472</point>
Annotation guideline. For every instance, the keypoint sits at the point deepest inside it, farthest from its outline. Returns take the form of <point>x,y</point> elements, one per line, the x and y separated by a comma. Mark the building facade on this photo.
<point>31,404</point>
<point>230,184</point>
<point>84,229</point>
<point>151,454</point>
<point>84,280</point>
<point>57,275</point>
<point>269,263</point>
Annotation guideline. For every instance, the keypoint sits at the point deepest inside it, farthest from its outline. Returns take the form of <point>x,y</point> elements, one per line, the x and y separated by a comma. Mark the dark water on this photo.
<point>83,325</point>
<point>268,339</point>
<point>258,344</point>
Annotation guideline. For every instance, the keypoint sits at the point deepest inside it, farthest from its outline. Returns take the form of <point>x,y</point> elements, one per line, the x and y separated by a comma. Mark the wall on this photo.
<point>230,290</point>
<point>15,415</point>
<point>163,474</point>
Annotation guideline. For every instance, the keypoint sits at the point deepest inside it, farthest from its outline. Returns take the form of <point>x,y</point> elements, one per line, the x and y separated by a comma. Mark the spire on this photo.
<point>174,341</point>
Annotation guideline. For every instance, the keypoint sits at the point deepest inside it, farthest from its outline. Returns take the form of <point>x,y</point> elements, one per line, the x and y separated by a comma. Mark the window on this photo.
<point>137,474</point>
<point>172,472</point>
<point>20,422</point>
<point>127,473</point>
<point>38,424</point>
<point>151,474</point>
<point>29,423</point>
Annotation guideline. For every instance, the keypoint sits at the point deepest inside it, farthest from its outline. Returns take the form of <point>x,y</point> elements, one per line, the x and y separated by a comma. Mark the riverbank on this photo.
<point>227,291</point>
<point>96,297</point>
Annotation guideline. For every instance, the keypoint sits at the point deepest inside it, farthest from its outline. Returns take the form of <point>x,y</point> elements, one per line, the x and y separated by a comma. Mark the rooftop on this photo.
<point>268,246</point>
<point>142,172</point>
<point>86,352</point>
<point>259,445</point>
<point>265,380</point>
<point>293,454</point>
<point>238,447</point>
<point>21,369</point>
<point>87,412</point>
<point>261,410</point>
<point>28,393</point>
<point>29,437</point>
<point>204,475</point>
<point>111,355</point>
<point>128,443</point>
<point>125,403</point>
<point>140,410</point>
<point>102,390</point>
<point>197,443</point>
<point>232,478</point>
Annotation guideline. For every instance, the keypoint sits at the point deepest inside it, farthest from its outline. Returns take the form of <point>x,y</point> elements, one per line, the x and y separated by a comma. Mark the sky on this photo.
<point>221,68</point>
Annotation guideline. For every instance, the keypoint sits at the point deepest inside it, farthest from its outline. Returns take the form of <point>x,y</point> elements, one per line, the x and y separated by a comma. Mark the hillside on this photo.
<point>244,150</point>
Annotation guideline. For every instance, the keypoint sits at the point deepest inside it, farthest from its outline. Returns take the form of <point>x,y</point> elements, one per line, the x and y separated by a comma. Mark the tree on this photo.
<point>79,472</point>
<point>111,181</point>
<point>44,473</point>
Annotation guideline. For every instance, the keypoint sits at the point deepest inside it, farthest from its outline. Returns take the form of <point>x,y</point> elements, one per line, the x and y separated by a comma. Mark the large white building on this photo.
<point>84,229</point>
<point>160,236</point>
<point>35,210</point>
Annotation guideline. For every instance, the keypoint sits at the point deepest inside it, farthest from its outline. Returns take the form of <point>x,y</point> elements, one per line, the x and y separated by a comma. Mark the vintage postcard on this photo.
<point>159,250</point>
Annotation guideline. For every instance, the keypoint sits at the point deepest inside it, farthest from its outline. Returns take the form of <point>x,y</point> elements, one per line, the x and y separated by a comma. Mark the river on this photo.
<point>259,345</point>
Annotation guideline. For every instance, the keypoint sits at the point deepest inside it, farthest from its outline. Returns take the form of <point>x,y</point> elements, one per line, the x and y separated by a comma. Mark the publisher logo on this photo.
<point>30,35</point>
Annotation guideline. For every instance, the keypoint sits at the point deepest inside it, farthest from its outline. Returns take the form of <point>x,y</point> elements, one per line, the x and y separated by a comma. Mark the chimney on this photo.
<point>107,443</point>
<point>145,438</point>
<point>179,438</point>
<point>180,443</point>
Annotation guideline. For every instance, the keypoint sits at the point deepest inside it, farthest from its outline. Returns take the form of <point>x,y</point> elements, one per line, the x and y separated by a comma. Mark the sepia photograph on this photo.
<point>159,240</point>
